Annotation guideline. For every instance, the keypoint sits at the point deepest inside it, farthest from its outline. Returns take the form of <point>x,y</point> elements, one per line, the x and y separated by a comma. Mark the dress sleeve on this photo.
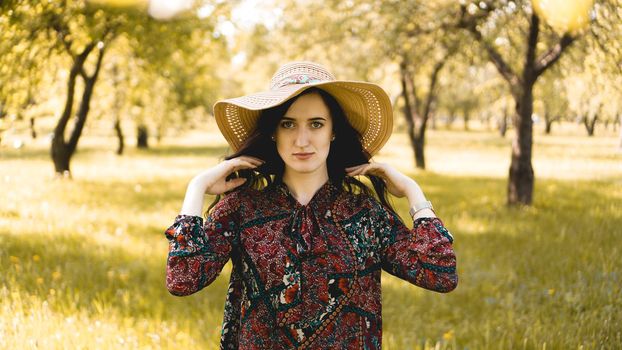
<point>422,255</point>
<point>198,251</point>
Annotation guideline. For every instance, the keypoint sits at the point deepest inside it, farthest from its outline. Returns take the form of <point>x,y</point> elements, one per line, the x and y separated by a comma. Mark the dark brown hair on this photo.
<point>345,151</point>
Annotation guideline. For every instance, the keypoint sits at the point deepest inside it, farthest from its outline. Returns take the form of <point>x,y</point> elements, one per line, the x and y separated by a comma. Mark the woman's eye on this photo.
<point>316,125</point>
<point>287,124</point>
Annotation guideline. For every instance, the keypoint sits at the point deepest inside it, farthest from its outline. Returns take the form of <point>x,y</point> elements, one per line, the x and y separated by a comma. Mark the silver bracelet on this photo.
<point>420,206</point>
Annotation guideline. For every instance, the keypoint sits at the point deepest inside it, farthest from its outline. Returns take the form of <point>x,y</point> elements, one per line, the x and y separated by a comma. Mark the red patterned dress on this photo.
<point>305,276</point>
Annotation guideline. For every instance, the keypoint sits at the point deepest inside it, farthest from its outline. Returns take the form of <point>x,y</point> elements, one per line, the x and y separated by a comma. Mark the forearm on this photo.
<point>196,255</point>
<point>415,195</point>
<point>193,201</point>
<point>422,255</point>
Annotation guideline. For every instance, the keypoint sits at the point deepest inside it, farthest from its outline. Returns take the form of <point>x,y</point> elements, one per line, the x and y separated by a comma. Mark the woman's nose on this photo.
<point>302,137</point>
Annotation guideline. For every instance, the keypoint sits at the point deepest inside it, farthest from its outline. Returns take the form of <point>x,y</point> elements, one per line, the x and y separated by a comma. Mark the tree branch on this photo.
<point>82,58</point>
<point>431,94</point>
<point>470,24</point>
<point>406,93</point>
<point>553,54</point>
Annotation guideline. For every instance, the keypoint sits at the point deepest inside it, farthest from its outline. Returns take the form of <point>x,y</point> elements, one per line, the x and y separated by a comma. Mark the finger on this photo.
<point>370,169</point>
<point>238,164</point>
<point>231,184</point>
<point>242,163</point>
<point>360,170</point>
<point>253,160</point>
<point>354,167</point>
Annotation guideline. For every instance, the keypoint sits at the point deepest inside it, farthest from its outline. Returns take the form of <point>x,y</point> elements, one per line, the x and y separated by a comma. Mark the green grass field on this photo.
<point>83,262</point>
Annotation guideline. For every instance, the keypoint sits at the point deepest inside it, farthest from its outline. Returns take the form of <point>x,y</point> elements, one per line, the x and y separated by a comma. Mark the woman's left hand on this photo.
<point>398,184</point>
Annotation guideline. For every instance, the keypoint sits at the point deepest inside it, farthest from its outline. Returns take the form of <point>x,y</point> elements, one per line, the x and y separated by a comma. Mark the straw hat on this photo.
<point>367,106</point>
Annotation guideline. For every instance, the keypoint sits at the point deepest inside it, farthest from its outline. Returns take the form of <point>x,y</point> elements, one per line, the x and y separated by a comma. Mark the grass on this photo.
<point>83,261</point>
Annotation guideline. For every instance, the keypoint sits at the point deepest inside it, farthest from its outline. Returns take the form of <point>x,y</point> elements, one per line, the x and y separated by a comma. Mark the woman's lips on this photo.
<point>303,156</point>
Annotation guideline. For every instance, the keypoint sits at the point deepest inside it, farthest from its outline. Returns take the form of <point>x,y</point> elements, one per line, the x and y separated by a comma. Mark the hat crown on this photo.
<point>300,72</point>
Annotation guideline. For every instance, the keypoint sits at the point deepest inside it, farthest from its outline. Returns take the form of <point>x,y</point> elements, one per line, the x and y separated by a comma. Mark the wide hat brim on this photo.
<point>366,105</point>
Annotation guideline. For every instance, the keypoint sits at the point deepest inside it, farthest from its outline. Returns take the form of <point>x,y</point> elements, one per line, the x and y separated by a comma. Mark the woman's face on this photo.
<point>304,135</point>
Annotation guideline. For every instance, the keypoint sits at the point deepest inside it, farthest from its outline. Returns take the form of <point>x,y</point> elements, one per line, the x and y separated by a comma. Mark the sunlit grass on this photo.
<point>83,261</point>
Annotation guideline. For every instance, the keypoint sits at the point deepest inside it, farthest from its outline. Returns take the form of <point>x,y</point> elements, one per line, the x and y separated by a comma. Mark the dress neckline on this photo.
<point>321,194</point>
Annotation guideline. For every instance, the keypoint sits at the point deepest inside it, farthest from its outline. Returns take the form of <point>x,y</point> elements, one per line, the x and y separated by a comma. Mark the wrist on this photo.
<point>424,213</point>
<point>198,183</point>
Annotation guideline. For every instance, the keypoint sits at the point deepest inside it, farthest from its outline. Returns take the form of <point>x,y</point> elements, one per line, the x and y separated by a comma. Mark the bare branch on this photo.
<point>504,69</point>
<point>552,55</point>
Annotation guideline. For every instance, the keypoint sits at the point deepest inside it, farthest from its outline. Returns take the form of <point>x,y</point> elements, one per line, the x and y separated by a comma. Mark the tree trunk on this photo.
<point>590,124</point>
<point>548,120</point>
<point>521,180</point>
<point>547,126</point>
<point>410,115</point>
<point>415,142</point>
<point>83,111</point>
<point>466,115</point>
<point>142,136</point>
<point>503,123</point>
<point>419,110</point>
<point>116,108</point>
<point>33,132</point>
<point>418,145</point>
<point>61,151</point>
<point>119,133</point>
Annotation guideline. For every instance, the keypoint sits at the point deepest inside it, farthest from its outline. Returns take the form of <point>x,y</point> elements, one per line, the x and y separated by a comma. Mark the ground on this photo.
<point>83,261</point>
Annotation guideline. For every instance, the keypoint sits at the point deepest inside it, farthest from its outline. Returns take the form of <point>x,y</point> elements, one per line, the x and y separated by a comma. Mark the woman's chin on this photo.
<point>304,168</point>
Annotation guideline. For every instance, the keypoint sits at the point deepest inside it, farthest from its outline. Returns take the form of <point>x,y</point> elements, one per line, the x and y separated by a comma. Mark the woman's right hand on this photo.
<point>213,180</point>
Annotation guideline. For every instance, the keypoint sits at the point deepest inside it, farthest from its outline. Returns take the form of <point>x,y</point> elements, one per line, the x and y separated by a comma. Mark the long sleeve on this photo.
<point>422,255</point>
<point>198,251</point>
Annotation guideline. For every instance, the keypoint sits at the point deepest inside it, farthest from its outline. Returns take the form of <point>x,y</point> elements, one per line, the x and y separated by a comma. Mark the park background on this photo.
<point>105,115</point>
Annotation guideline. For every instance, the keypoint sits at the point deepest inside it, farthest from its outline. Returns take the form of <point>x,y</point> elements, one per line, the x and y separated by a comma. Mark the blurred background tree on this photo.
<point>440,61</point>
<point>159,80</point>
<point>522,49</point>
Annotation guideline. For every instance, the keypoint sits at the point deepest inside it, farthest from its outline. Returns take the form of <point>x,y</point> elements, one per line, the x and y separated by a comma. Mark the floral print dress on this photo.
<point>305,276</point>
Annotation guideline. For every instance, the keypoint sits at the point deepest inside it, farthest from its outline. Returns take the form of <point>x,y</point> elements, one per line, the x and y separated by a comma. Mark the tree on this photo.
<point>81,33</point>
<point>100,29</point>
<point>419,106</point>
<point>486,20</point>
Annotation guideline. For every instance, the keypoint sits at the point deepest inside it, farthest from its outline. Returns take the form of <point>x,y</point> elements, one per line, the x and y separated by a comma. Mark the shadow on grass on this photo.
<point>524,273</point>
<point>86,277</point>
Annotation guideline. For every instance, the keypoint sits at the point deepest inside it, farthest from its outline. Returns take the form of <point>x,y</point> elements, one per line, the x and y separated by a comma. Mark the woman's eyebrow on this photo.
<point>313,118</point>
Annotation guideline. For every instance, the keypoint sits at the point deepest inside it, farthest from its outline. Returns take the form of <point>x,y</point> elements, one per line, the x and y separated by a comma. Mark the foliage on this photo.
<point>41,34</point>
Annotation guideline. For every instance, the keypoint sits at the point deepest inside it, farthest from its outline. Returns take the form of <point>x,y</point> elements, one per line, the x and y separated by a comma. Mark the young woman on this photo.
<point>306,238</point>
